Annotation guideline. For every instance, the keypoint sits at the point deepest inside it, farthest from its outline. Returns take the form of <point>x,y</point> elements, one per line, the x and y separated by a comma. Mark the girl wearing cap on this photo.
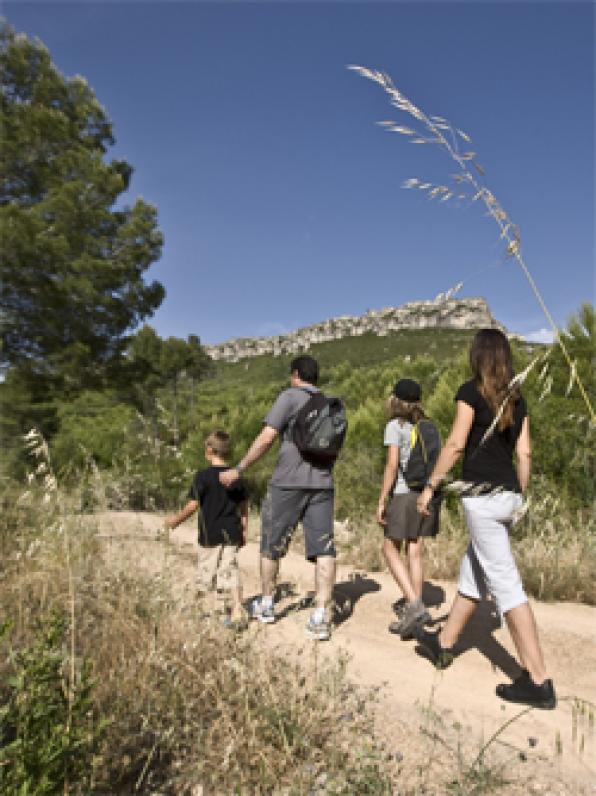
<point>405,528</point>
<point>491,424</point>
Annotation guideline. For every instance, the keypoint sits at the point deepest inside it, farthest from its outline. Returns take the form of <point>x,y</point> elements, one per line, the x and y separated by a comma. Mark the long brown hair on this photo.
<point>492,366</point>
<point>404,410</point>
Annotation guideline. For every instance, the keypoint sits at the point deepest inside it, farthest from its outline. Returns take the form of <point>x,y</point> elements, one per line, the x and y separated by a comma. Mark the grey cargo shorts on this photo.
<point>281,512</point>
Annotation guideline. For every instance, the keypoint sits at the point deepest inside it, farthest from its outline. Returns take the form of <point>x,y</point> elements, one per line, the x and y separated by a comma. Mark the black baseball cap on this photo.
<point>407,390</point>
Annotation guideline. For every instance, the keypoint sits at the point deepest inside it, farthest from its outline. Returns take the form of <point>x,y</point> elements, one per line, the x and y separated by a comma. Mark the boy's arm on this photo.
<point>177,519</point>
<point>244,521</point>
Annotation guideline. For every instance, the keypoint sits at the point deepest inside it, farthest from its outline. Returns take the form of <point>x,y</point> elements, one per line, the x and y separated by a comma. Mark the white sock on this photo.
<point>267,602</point>
<point>318,615</point>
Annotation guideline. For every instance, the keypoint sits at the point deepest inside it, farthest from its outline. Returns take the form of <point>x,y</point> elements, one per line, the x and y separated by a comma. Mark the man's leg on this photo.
<point>280,513</point>
<point>317,521</point>
<point>269,571</point>
<point>324,583</point>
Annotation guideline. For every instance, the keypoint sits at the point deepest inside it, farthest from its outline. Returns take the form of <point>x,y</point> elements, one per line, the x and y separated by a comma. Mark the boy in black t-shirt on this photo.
<point>223,522</point>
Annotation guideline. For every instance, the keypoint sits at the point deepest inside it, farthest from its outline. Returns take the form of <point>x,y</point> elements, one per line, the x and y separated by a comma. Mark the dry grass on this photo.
<point>186,703</point>
<point>555,549</point>
<point>468,184</point>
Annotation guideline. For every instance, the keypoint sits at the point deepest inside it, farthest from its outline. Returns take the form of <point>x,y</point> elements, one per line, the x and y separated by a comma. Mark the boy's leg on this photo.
<point>228,581</point>
<point>207,558</point>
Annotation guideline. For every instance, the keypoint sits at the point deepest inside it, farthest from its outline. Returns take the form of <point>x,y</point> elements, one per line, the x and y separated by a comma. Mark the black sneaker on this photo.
<point>524,691</point>
<point>441,657</point>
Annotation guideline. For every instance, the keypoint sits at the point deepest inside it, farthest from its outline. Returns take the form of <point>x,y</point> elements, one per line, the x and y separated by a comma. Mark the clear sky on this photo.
<point>281,200</point>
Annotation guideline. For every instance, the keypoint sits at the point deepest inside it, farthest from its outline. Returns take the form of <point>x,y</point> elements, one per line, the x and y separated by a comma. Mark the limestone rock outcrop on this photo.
<point>470,313</point>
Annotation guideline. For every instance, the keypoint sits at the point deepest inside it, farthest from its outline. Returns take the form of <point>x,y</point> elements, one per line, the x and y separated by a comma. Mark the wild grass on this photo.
<point>172,702</point>
<point>467,184</point>
<point>554,546</point>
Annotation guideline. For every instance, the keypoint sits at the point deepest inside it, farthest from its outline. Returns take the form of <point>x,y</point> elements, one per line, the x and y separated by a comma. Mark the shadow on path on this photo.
<point>347,593</point>
<point>478,634</point>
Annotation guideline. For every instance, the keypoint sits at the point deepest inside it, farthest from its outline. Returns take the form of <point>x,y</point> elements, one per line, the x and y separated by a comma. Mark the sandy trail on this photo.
<point>560,758</point>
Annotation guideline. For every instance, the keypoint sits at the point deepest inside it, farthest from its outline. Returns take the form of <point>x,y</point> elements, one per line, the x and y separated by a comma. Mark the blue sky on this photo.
<point>281,200</point>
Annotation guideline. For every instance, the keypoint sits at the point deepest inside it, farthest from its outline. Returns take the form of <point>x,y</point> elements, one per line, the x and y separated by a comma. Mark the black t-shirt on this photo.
<point>219,520</point>
<point>492,462</point>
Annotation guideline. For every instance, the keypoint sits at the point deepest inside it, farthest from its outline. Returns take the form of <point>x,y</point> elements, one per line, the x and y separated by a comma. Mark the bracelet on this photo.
<point>430,485</point>
<point>239,468</point>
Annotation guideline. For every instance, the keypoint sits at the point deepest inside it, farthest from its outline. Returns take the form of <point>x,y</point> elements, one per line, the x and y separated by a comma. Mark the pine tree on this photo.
<point>72,263</point>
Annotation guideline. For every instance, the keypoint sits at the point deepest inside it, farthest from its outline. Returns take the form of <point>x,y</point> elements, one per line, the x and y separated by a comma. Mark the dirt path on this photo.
<point>551,751</point>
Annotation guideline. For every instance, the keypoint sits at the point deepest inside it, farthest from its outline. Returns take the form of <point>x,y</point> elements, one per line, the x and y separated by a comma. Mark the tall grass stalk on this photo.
<point>443,133</point>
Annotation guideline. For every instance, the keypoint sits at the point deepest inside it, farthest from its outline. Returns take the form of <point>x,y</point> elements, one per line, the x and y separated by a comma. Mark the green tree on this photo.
<point>73,264</point>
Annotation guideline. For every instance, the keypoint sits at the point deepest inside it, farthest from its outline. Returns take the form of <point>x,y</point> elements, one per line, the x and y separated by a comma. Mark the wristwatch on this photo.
<point>430,485</point>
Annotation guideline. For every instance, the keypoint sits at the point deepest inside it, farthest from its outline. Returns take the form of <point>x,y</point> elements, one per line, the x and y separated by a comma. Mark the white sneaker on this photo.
<point>320,631</point>
<point>264,613</point>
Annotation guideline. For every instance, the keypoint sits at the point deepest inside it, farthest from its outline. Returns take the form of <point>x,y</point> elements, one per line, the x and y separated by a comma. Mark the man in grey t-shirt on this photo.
<point>298,492</point>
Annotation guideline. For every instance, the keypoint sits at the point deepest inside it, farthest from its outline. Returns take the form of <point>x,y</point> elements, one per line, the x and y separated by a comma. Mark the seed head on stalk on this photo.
<point>466,185</point>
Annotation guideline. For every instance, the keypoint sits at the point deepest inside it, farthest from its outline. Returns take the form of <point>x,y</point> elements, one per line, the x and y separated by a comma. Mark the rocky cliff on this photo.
<point>471,313</point>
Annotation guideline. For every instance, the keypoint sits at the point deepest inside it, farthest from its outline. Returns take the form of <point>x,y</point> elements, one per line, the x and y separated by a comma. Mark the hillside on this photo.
<point>363,351</point>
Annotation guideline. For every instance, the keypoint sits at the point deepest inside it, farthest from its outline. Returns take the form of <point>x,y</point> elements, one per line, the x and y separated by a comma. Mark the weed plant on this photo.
<point>125,688</point>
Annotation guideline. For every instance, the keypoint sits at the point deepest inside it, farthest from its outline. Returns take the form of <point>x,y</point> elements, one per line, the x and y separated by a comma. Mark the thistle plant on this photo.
<point>465,184</point>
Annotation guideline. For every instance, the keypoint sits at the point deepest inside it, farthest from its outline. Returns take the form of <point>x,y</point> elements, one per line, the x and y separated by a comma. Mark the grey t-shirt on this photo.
<point>291,471</point>
<point>397,432</point>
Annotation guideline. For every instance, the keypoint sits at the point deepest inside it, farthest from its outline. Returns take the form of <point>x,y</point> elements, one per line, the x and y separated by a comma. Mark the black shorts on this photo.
<point>281,512</point>
<point>404,521</point>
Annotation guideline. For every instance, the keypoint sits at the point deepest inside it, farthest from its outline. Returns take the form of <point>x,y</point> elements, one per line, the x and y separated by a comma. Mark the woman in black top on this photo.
<point>491,424</point>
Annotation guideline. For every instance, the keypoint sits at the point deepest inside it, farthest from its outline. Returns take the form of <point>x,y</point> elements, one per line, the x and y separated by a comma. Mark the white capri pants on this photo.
<point>488,564</point>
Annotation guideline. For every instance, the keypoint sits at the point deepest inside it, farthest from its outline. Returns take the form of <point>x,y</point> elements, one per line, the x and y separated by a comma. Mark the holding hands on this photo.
<point>227,477</point>
<point>423,500</point>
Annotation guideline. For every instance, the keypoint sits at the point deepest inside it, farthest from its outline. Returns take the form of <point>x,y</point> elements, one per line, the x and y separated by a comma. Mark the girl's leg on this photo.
<point>415,550</point>
<point>391,550</point>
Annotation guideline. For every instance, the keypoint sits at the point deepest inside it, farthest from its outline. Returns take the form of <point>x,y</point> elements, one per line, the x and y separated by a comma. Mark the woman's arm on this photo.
<point>389,478</point>
<point>523,452</point>
<point>450,453</point>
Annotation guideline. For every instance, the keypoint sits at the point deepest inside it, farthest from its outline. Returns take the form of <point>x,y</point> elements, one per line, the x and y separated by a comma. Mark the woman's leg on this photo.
<point>415,550</point>
<point>522,626</point>
<point>462,609</point>
<point>489,529</point>
<point>391,550</point>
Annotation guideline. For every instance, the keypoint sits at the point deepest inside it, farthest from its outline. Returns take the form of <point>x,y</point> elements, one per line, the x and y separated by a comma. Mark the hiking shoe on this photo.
<point>396,627</point>
<point>524,691</point>
<point>319,631</point>
<point>261,612</point>
<point>441,657</point>
<point>399,606</point>
<point>415,615</point>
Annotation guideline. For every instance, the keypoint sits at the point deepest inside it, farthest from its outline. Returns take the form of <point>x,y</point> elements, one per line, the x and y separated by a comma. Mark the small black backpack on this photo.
<point>425,444</point>
<point>319,429</point>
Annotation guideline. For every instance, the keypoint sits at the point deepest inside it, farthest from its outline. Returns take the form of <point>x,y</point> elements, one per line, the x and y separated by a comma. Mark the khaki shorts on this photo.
<point>217,568</point>
<point>404,521</point>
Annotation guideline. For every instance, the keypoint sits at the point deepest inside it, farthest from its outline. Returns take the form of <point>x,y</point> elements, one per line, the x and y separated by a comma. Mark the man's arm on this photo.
<point>259,447</point>
<point>177,519</point>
